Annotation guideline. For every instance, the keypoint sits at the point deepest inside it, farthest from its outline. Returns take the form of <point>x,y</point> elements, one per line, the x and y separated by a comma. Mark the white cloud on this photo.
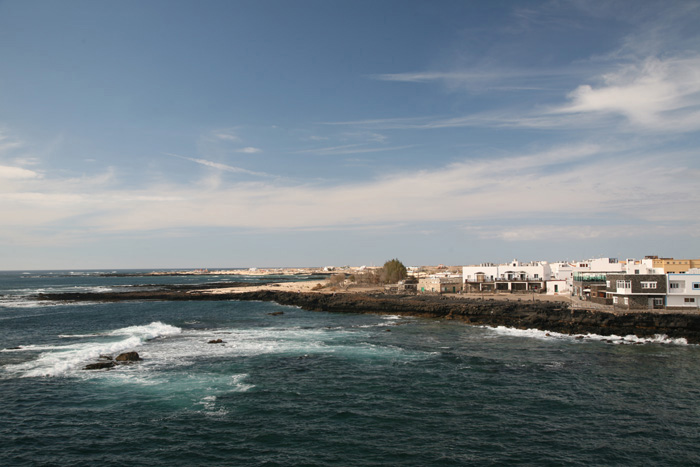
<point>219,166</point>
<point>249,150</point>
<point>568,233</point>
<point>655,94</point>
<point>227,136</point>
<point>17,173</point>
<point>484,79</point>
<point>350,149</point>
<point>556,185</point>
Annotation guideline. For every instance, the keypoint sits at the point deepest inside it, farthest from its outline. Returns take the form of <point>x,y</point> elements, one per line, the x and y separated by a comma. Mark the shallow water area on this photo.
<point>330,389</point>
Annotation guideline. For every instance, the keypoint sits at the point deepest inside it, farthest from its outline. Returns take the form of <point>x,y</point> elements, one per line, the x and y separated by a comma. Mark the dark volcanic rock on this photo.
<point>99,365</point>
<point>546,316</point>
<point>128,357</point>
<point>215,341</point>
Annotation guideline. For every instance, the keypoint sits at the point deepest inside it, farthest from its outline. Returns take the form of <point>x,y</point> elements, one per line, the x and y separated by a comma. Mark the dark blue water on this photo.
<point>314,388</point>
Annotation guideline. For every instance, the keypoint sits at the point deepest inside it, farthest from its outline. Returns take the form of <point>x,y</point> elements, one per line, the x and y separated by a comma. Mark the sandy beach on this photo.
<point>313,287</point>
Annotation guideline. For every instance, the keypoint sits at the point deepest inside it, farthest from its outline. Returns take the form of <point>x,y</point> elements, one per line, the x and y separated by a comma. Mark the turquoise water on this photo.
<point>314,388</point>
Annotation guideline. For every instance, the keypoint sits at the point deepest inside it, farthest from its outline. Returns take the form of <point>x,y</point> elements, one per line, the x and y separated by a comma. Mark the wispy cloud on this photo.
<point>220,166</point>
<point>652,94</point>
<point>350,149</point>
<point>568,233</point>
<point>485,80</point>
<point>249,150</point>
<point>656,94</point>
<point>520,188</point>
<point>17,173</point>
<point>226,136</point>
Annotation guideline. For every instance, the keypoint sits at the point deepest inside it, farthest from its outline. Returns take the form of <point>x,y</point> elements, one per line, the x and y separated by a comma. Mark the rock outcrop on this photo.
<point>128,357</point>
<point>99,366</point>
<point>546,316</point>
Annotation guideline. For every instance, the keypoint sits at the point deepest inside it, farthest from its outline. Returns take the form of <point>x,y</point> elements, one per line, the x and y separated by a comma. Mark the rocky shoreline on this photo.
<point>545,316</point>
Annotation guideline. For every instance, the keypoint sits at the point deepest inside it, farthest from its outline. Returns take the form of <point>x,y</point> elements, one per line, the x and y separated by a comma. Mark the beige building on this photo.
<point>440,285</point>
<point>672,265</point>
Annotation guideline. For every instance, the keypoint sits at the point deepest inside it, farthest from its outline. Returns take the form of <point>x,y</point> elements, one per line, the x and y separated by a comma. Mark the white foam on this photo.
<point>149,331</point>
<point>613,339</point>
<point>238,384</point>
<point>64,360</point>
<point>77,336</point>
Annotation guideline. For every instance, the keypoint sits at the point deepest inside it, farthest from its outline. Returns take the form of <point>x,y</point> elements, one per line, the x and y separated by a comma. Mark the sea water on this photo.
<point>316,388</point>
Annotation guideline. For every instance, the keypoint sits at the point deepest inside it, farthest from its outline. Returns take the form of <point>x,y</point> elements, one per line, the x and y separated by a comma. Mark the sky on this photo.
<point>182,134</point>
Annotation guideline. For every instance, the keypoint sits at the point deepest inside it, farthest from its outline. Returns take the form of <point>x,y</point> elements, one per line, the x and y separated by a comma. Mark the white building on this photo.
<point>564,271</point>
<point>558,287</point>
<point>515,270</point>
<point>683,291</point>
<point>509,277</point>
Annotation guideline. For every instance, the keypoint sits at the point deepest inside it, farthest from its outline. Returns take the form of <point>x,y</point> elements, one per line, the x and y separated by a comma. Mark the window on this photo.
<point>658,302</point>
<point>689,300</point>
<point>607,284</point>
<point>648,285</point>
<point>696,285</point>
<point>615,299</point>
<point>675,285</point>
<point>537,276</point>
<point>627,301</point>
<point>624,284</point>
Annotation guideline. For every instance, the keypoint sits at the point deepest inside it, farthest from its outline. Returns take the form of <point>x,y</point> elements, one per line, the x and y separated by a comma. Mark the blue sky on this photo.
<point>146,134</point>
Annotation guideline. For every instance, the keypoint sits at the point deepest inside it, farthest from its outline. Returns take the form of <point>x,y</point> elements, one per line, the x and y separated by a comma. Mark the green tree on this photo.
<point>393,271</point>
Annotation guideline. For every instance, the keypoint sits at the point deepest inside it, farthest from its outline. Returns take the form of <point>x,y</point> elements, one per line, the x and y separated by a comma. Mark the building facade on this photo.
<point>683,291</point>
<point>508,277</point>
<point>637,291</point>
<point>440,285</point>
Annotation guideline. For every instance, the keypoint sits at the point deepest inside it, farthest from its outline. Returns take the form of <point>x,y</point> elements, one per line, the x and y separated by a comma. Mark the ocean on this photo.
<point>322,389</point>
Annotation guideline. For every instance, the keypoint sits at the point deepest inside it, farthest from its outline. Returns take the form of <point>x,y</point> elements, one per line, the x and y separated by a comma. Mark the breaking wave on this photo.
<point>611,339</point>
<point>61,360</point>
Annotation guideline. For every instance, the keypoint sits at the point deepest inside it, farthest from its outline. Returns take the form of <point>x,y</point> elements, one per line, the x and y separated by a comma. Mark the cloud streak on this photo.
<point>249,150</point>
<point>519,188</point>
<point>221,167</point>
<point>652,94</point>
<point>485,80</point>
<point>350,149</point>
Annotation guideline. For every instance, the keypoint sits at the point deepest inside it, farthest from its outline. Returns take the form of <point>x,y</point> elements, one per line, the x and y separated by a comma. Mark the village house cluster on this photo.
<point>649,283</point>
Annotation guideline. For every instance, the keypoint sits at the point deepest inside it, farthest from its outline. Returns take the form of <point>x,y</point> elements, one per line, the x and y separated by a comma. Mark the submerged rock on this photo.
<point>99,366</point>
<point>106,357</point>
<point>276,313</point>
<point>215,341</point>
<point>128,357</point>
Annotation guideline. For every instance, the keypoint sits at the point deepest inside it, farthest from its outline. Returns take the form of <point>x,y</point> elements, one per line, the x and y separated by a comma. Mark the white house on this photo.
<point>683,291</point>
<point>515,270</point>
<point>558,287</point>
<point>507,277</point>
